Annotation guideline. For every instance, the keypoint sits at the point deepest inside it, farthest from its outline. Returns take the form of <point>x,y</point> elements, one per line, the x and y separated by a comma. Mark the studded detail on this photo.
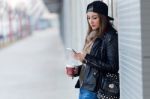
<point>111,75</point>
<point>110,97</point>
<point>110,88</point>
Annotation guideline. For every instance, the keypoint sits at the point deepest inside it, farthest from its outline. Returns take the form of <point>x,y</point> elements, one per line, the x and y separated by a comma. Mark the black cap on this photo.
<point>99,7</point>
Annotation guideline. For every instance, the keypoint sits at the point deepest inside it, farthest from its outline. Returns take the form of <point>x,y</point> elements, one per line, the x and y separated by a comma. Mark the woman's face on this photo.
<point>93,20</point>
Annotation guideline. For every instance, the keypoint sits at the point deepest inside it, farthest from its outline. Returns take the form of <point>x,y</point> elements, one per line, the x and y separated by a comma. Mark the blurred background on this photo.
<point>34,35</point>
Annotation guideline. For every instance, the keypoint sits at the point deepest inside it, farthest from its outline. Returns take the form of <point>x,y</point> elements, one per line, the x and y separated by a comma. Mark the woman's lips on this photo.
<point>93,25</point>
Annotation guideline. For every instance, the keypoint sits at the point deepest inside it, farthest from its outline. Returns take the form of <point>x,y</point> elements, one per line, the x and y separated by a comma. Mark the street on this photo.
<point>34,68</point>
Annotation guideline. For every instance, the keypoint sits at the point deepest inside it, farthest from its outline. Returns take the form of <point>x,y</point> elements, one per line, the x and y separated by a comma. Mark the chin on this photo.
<point>94,28</point>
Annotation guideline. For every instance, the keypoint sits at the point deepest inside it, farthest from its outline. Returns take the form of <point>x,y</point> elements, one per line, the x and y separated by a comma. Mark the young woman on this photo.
<point>100,52</point>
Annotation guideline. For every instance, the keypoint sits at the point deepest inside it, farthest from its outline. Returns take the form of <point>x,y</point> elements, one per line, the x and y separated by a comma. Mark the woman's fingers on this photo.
<point>70,75</point>
<point>76,71</point>
<point>79,56</point>
<point>76,56</point>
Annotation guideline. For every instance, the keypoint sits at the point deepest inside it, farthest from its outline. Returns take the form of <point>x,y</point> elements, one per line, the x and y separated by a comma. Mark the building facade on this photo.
<point>132,22</point>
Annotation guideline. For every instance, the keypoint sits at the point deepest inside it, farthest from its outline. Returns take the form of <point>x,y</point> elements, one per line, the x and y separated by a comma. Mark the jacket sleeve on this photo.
<point>79,69</point>
<point>112,63</point>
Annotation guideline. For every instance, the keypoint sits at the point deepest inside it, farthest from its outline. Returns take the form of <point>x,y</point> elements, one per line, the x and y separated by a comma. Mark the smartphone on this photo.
<point>71,50</point>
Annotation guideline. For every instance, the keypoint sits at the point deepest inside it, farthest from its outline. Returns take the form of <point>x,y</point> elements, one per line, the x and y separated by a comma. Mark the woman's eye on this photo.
<point>94,17</point>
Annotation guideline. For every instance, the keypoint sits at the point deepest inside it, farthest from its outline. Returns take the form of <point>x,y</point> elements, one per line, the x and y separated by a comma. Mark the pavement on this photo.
<point>34,68</point>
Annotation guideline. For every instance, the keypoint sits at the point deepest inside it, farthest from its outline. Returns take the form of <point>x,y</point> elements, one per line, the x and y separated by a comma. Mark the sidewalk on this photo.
<point>34,68</point>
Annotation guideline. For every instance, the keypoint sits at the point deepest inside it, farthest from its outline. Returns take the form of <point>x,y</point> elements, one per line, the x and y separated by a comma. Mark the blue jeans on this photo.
<point>85,94</point>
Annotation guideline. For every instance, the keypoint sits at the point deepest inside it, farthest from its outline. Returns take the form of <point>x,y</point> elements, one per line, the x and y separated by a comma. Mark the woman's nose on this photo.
<point>90,21</point>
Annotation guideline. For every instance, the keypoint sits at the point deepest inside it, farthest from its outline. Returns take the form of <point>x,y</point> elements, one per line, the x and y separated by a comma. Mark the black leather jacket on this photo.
<point>102,59</point>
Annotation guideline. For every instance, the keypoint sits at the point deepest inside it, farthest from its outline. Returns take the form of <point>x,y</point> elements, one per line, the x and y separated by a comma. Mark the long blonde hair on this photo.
<point>104,24</point>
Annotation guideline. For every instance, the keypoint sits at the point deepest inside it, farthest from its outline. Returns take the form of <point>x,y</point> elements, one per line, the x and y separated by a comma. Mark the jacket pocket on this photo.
<point>92,77</point>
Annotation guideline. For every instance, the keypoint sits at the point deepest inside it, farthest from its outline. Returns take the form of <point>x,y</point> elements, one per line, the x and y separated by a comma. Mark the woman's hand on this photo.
<point>72,72</point>
<point>79,56</point>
